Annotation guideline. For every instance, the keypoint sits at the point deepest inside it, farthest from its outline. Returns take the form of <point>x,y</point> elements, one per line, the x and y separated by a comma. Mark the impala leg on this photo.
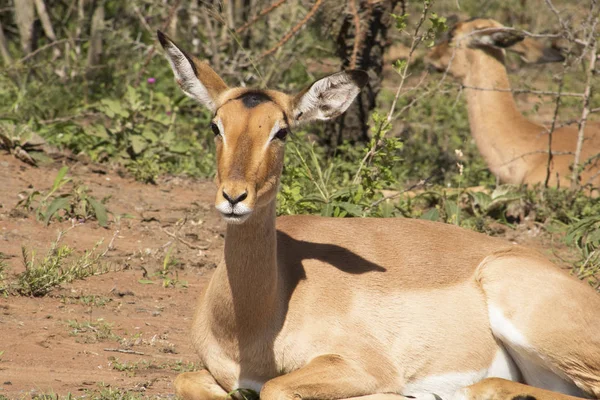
<point>548,321</point>
<point>501,389</point>
<point>199,385</point>
<point>326,377</point>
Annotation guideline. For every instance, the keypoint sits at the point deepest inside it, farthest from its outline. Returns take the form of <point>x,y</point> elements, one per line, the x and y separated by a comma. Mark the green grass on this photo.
<point>76,203</point>
<point>60,265</point>
<point>92,332</point>
<point>130,367</point>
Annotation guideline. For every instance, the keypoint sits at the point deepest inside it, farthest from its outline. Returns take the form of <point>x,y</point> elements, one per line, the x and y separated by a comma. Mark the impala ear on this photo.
<point>195,77</point>
<point>496,37</point>
<point>328,97</point>
<point>534,51</point>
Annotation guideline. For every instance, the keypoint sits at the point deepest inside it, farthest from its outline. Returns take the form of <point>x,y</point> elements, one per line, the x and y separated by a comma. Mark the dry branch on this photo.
<point>137,353</point>
<point>553,126</point>
<point>528,91</point>
<point>294,30</point>
<point>585,112</point>
<point>153,48</point>
<point>357,33</point>
<point>4,47</point>
<point>259,15</point>
<point>46,23</point>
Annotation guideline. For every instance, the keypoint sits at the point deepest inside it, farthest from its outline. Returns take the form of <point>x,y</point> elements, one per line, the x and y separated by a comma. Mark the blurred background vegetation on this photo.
<point>85,80</point>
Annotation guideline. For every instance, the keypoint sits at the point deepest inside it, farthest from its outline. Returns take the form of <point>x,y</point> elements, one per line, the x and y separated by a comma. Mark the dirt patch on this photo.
<point>58,343</point>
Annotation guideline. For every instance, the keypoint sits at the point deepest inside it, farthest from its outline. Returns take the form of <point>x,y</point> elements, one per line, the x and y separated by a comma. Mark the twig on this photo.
<point>216,57</point>
<point>259,15</point>
<point>137,353</point>
<point>421,183</point>
<point>140,16</point>
<point>586,110</point>
<point>357,33</point>
<point>165,25</point>
<point>294,30</point>
<point>416,40</point>
<point>529,91</point>
<point>188,244</point>
<point>562,23</point>
<point>553,126</point>
<point>49,45</point>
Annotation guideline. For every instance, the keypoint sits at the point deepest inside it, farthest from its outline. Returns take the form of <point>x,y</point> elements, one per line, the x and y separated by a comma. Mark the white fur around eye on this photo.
<point>272,134</point>
<point>221,128</point>
<point>186,78</point>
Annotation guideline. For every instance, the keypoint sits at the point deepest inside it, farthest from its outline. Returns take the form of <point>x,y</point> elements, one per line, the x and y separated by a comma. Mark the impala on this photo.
<point>515,149</point>
<point>305,307</point>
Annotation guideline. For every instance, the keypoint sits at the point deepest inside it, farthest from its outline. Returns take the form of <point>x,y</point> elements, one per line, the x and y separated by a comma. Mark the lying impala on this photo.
<point>515,149</point>
<point>307,307</point>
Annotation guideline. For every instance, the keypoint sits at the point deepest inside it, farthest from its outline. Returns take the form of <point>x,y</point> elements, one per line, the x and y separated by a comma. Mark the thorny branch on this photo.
<point>585,112</point>
<point>261,14</point>
<point>357,33</point>
<point>165,25</point>
<point>416,40</point>
<point>294,30</point>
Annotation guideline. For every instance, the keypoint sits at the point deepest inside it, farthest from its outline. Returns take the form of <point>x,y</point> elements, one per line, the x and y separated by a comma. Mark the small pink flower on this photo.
<point>169,113</point>
<point>151,80</point>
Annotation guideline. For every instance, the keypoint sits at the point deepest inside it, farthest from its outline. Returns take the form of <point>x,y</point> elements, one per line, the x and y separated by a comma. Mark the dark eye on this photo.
<point>282,133</point>
<point>215,129</point>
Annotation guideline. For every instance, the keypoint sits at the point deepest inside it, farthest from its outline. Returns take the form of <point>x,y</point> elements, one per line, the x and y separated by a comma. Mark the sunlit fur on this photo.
<point>515,149</point>
<point>305,307</point>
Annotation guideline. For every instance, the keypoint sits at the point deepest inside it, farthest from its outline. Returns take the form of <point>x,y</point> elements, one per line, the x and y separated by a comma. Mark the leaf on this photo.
<point>352,209</point>
<point>138,144</point>
<point>59,203</point>
<point>149,134</point>
<point>114,107</point>
<point>179,147</point>
<point>146,282</point>
<point>99,211</point>
<point>98,130</point>
<point>431,215</point>
<point>58,181</point>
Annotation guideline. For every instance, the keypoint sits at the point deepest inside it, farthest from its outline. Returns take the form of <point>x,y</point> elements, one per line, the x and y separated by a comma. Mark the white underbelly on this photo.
<point>445,385</point>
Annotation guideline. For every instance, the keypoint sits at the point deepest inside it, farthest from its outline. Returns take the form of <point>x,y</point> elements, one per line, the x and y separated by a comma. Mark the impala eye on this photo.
<point>215,129</point>
<point>282,133</point>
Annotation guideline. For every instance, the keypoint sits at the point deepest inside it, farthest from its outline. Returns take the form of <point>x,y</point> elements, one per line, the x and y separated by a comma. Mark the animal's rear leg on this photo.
<point>501,389</point>
<point>548,321</point>
<point>198,385</point>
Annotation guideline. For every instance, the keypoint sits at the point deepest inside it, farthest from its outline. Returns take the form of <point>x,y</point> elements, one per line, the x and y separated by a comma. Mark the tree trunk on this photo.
<point>46,24</point>
<point>95,49</point>
<point>25,18</point>
<point>4,48</point>
<point>375,24</point>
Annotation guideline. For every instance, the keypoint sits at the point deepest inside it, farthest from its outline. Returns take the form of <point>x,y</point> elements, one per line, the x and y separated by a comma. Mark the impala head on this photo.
<point>473,38</point>
<point>251,126</point>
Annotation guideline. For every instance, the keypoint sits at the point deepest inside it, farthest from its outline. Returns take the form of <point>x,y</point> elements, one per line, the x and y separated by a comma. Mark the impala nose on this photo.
<point>233,200</point>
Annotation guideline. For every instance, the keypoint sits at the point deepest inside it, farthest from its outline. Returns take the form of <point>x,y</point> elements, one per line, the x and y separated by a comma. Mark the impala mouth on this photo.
<point>235,214</point>
<point>235,219</point>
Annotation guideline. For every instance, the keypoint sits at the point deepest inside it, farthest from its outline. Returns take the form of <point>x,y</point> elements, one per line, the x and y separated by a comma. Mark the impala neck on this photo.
<point>500,130</point>
<point>249,280</point>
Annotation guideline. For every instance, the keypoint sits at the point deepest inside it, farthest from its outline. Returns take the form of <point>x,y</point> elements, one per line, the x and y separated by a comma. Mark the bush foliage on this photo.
<point>101,88</point>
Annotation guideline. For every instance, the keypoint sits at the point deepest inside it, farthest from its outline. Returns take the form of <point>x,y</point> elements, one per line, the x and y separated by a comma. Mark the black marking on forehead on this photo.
<point>524,397</point>
<point>253,98</point>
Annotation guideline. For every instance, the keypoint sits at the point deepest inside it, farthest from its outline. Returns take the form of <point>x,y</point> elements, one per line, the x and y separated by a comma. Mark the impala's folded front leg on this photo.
<point>198,385</point>
<point>325,377</point>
